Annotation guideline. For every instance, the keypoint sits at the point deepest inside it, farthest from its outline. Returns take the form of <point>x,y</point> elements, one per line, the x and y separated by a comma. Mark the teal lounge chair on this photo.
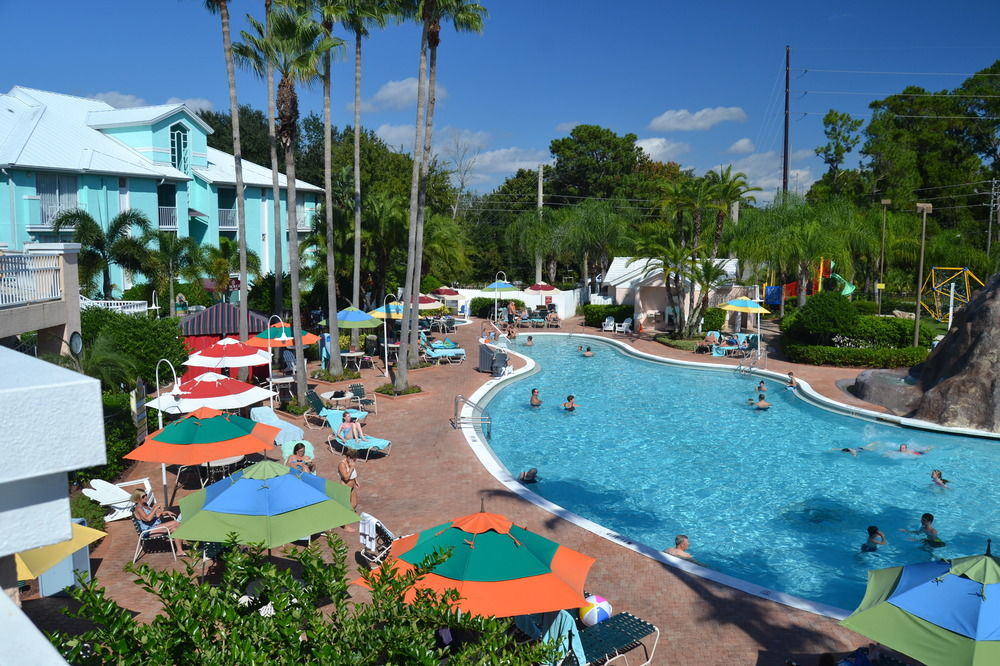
<point>332,416</point>
<point>558,626</point>
<point>447,343</point>
<point>368,444</point>
<point>288,448</point>
<point>289,431</point>
<point>608,641</point>
<point>455,356</point>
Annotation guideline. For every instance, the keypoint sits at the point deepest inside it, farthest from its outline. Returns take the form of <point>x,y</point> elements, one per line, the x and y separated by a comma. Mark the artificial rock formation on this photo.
<point>961,377</point>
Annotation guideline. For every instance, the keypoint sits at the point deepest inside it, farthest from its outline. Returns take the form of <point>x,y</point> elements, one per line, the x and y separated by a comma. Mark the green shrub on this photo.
<point>260,295</point>
<point>324,375</point>
<point>714,319</point>
<point>480,306</point>
<point>144,339</point>
<point>886,332</point>
<point>293,407</point>
<point>865,307</point>
<point>429,283</point>
<point>390,389</point>
<point>436,312</point>
<point>594,315</point>
<point>685,345</point>
<point>825,315</point>
<point>119,437</point>
<point>847,356</point>
<point>81,506</point>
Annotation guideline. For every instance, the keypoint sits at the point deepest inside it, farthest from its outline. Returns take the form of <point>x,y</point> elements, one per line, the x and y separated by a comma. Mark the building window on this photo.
<point>57,193</point>
<point>179,147</point>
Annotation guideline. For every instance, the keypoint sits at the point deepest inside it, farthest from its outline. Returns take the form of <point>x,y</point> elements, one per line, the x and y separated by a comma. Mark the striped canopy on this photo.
<point>221,319</point>
<point>280,335</point>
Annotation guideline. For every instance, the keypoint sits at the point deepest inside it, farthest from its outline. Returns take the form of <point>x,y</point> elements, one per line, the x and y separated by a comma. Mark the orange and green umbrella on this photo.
<point>280,335</point>
<point>497,567</point>
<point>203,436</point>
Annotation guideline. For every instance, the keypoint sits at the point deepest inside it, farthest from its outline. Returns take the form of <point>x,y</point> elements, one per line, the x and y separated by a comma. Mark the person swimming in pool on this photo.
<point>931,538</point>
<point>761,388</point>
<point>760,403</point>
<point>792,382</point>
<point>875,539</point>
<point>855,450</point>
<point>903,448</point>
<point>570,404</point>
<point>530,342</point>
<point>588,353</point>
<point>938,480</point>
<point>535,400</point>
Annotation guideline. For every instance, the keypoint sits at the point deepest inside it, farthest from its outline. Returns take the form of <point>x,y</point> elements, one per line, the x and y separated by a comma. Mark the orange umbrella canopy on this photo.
<point>202,436</point>
<point>280,335</point>
<point>497,567</point>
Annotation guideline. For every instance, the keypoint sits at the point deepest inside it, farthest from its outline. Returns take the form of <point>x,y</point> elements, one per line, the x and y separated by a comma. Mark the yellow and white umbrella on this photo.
<point>33,563</point>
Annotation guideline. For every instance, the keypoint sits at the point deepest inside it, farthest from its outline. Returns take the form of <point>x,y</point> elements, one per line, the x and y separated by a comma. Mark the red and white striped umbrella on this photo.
<point>427,303</point>
<point>228,353</point>
<point>213,390</point>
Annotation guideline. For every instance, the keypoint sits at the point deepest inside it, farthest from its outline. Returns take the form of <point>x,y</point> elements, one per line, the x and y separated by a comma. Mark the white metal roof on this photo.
<point>141,115</point>
<point>222,170</point>
<point>621,273</point>
<point>46,130</point>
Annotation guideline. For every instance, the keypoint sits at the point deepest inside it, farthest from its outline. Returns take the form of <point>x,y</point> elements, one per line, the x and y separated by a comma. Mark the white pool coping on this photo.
<point>493,465</point>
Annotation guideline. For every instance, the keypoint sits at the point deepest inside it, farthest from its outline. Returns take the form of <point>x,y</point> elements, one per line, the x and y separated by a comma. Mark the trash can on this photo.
<point>485,358</point>
<point>499,363</point>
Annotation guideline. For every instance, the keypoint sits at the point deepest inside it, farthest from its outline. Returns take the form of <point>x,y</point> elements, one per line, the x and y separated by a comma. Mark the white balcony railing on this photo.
<point>168,218</point>
<point>29,278</point>
<point>228,220</point>
<point>128,307</point>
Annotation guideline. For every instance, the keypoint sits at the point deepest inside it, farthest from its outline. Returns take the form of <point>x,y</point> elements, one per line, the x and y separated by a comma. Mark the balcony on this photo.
<point>26,279</point>
<point>228,220</point>
<point>168,218</point>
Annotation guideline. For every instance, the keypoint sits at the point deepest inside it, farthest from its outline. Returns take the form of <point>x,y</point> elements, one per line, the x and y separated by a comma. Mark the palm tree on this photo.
<point>728,188</point>
<point>385,224</point>
<point>222,7</point>
<point>295,46</point>
<point>218,263</point>
<point>99,248</point>
<point>673,261</point>
<point>170,256</point>
<point>101,359</point>
<point>445,248</point>
<point>530,234</point>
<point>705,274</point>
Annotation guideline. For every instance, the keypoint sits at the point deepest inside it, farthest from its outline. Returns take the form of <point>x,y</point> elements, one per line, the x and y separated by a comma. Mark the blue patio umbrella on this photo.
<point>354,318</point>
<point>496,288</point>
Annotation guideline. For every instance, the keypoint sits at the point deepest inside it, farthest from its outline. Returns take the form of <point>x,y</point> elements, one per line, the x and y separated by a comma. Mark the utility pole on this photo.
<point>994,210</point>
<point>538,262</point>
<point>784,165</point>
<point>881,259</point>
<point>923,208</point>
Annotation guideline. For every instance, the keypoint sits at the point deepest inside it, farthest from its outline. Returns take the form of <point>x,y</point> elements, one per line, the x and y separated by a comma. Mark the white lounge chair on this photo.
<point>609,324</point>
<point>376,539</point>
<point>624,327</point>
<point>117,497</point>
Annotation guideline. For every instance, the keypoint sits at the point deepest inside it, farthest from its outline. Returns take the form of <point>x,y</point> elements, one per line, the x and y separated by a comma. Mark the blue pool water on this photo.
<point>655,450</point>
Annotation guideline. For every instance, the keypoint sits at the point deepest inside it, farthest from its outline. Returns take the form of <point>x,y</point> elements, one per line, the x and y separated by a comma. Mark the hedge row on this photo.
<point>481,306</point>
<point>594,315</point>
<point>847,356</point>
<point>145,339</point>
<point>119,436</point>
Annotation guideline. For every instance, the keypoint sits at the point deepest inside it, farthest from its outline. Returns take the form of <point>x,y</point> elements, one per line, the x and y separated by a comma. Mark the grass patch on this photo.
<point>684,345</point>
<point>81,506</point>
<point>390,389</point>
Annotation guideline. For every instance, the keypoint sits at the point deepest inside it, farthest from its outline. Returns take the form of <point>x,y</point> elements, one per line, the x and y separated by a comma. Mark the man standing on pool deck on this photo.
<point>535,401</point>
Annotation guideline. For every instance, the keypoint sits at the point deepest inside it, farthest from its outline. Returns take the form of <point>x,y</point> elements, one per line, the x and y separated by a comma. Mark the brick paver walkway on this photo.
<point>432,476</point>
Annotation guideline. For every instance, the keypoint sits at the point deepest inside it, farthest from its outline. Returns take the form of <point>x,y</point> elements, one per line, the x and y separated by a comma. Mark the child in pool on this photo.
<point>931,538</point>
<point>938,480</point>
<point>875,539</point>
<point>570,404</point>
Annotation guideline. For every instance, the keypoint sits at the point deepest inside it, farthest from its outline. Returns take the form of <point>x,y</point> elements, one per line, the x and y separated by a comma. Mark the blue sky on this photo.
<point>699,83</point>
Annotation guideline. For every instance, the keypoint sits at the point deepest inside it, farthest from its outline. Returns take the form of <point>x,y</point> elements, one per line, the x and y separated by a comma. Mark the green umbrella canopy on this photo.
<point>265,503</point>
<point>500,286</point>
<point>352,317</point>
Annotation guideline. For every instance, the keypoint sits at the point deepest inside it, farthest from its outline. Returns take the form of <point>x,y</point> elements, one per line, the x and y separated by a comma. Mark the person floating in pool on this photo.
<point>792,382</point>
<point>905,450</point>
<point>760,403</point>
<point>856,450</point>
<point>875,539</point>
<point>588,353</point>
<point>938,480</point>
<point>530,342</point>
<point>931,538</point>
<point>570,404</point>
<point>535,400</point>
<point>761,387</point>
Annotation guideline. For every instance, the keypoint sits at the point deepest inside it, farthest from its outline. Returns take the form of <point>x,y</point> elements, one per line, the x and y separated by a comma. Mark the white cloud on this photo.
<point>397,96</point>
<point>798,155</point>
<point>678,120</point>
<point>194,103</point>
<point>120,100</point>
<point>742,147</point>
<point>567,127</point>
<point>763,170</point>
<point>446,137</point>
<point>662,150</point>
<point>509,160</point>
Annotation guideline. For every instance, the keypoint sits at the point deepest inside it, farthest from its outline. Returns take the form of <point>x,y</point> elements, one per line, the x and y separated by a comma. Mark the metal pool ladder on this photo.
<point>479,417</point>
<point>746,365</point>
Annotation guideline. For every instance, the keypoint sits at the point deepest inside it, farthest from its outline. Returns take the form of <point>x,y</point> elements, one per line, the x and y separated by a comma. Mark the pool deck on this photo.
<point>432,476</point>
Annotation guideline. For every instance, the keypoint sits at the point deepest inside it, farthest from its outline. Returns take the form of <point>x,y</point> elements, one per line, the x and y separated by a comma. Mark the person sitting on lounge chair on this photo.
<point>299,460</point>
<point>706,345</point>
<point>349,429</point>
<point>154,519</point>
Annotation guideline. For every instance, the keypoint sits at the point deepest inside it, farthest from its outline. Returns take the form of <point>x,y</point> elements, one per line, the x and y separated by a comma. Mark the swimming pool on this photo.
<point>655,450</point>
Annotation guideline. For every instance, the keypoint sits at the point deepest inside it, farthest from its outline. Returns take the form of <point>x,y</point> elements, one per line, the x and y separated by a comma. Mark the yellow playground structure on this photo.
<point>942,284</point>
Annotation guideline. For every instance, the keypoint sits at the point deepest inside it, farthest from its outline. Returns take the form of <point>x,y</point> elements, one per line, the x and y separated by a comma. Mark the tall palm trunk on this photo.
<point>585,278</point>
<point>288,105</point>
<point>720,221</point>
<point>241,225</point>
<point>279,282</point>
<point>170,289</point>
<point>336,367</point>
<point>433,38</point>
<point>402,374</point>
<point>356,290</point>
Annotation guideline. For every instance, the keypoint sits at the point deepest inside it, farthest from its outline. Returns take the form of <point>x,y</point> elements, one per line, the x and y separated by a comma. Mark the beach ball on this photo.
<point>597,609</point>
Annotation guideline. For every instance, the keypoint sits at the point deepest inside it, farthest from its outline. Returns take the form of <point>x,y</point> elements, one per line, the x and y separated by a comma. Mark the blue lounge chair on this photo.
<point>456,355</point>
<point>368,444</point>
<point>289,431</point>
<point>288,448</point>
<point>609,640</point>
<point>558,626</point>
<point>447,343</point>
<point>320,411</point>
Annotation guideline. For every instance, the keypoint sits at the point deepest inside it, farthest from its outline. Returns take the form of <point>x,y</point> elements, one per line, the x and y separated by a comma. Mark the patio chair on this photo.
<point>288,448</point>
<point>288,361</point>
<point>363,399</point>
<point>451,356</point>
<point>376,539</point>
<point>449,325</point>
<point>608,325</point>
<point>607,642</point>
<point>316,410</point>
<point>367,445</point>
<point>624,327</point>
<point>289,431</point>
<point>154,535</point>
<point>117,497</point>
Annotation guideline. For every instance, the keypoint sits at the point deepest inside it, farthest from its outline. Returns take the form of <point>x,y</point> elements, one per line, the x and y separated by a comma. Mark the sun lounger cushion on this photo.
<point>288,448</point>
<point>336,416</point>
<point>289,431</point>
<point>558,626</point>
<point>368,442</point>
<point>615,635</point>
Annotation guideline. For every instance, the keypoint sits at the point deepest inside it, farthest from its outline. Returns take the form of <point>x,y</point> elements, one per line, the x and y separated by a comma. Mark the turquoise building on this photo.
<point>60,152</point>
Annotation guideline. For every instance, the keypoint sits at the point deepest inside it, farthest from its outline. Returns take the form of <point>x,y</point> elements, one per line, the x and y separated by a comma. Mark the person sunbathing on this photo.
<point>350,429</point>
<point>706,344</point>
<point>154,519</point>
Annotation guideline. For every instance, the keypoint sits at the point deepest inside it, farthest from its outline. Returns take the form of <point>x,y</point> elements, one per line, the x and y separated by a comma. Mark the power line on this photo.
<point>806,70</point>
<point>901,115</point>
<point>879,94</point>
<point>944,187</point>
<point>979,205</point>
<point>958,194</point>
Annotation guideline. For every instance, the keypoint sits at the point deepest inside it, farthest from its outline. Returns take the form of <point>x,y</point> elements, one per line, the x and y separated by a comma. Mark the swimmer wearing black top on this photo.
<point>570,404</point>
<point>875,539</point>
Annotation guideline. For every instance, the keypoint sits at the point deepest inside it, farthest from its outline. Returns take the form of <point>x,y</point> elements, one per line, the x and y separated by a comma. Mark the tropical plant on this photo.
<point>99,249</point>
<point>664,256</point>
<point>170,256</point>
<point>102,360</point>
<point>445,249</point>
<point>222,7</point>
<point>706,275</point>
<point>218,263</point>
<point>144,340</point>
<point>728,188</point>
<point>532,234</point>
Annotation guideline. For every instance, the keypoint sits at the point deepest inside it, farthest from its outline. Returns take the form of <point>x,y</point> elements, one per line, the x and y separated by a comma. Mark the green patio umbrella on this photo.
<point>943,612</point>
<point>498,287</point>
<point>265,503</point>
<point>352,317</point>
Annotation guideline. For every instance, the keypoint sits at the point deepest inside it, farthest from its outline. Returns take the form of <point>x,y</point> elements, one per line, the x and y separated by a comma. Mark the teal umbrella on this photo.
<point>499,286</point>
<point>355,318</point>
